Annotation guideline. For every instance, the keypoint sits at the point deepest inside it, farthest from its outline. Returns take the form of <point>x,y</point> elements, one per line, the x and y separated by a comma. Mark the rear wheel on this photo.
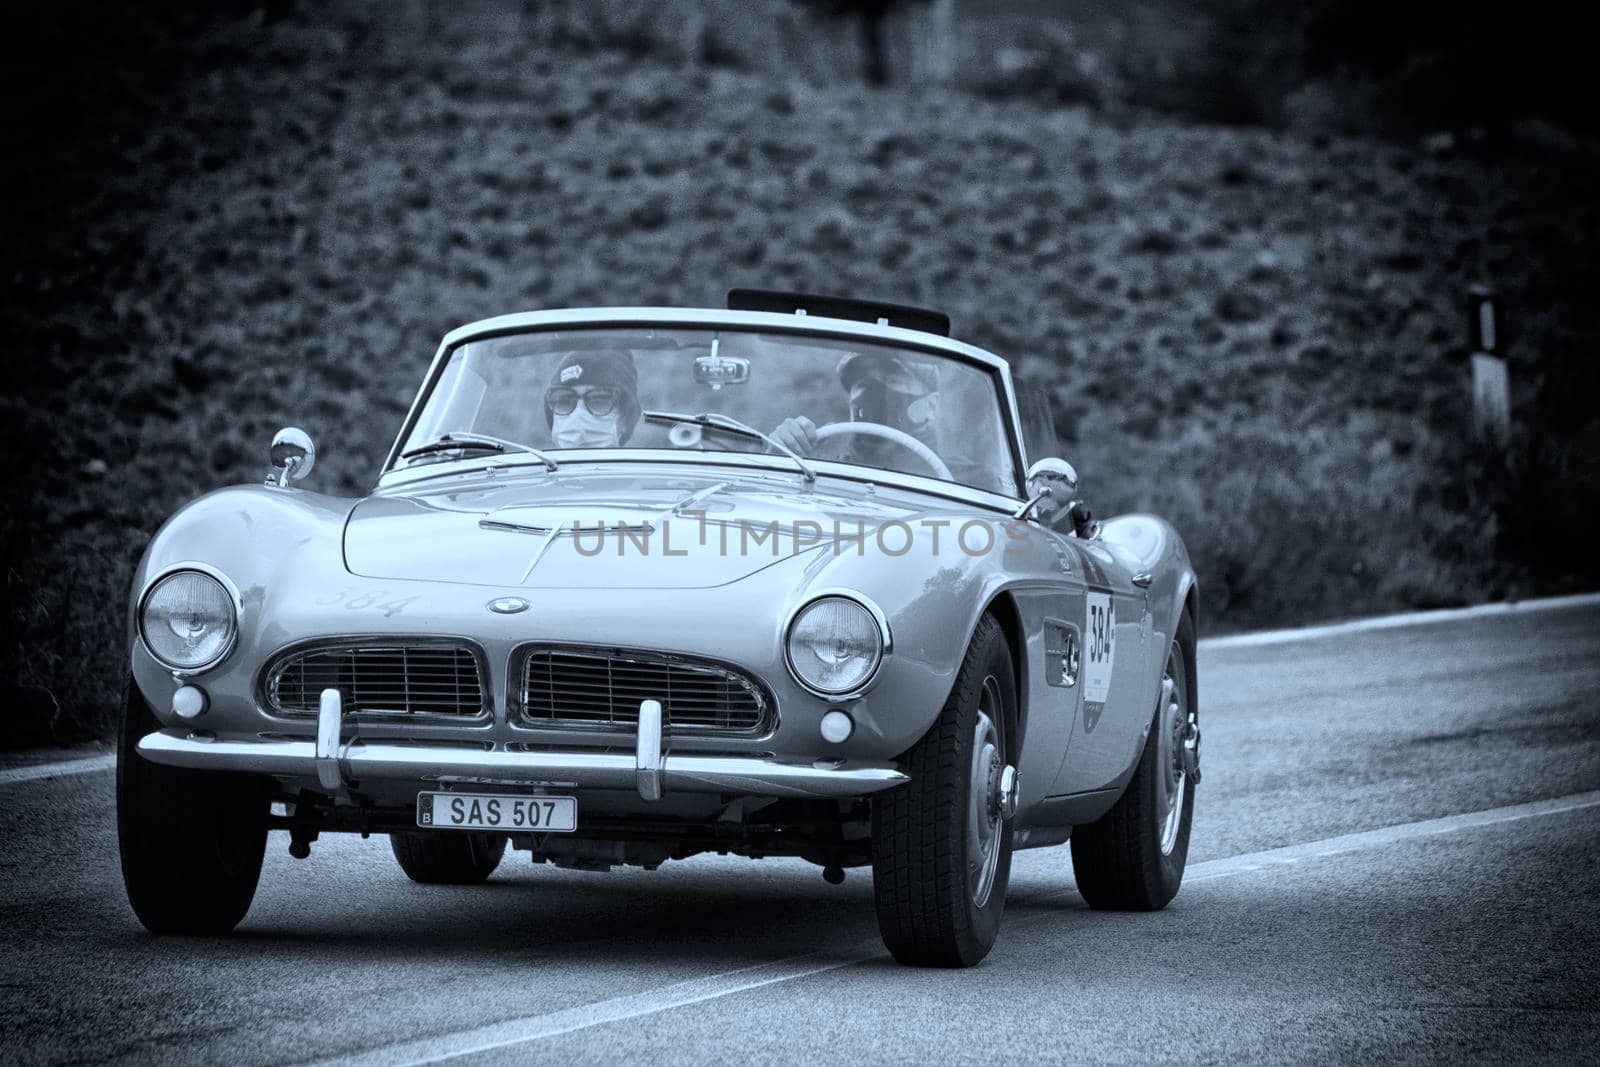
<point>447,857</point>
<point>942,841</point>
<point>1132,858</point>
<point>191,841</point>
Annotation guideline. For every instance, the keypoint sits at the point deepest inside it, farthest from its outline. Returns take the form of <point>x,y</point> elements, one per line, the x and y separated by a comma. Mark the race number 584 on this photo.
<point>1100,631</point>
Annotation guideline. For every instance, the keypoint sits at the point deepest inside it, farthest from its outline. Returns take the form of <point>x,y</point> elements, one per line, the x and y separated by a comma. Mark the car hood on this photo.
<point>604,530</point>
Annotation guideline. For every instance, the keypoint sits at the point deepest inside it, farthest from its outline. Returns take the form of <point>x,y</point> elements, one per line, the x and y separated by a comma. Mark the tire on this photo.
<point>1132,858</point>
<point>191,841</point>
<point>445,857</point>
<point>940,889</point>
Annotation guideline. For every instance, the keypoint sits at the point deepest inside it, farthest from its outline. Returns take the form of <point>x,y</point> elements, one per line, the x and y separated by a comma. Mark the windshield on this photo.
<point>829,399</point>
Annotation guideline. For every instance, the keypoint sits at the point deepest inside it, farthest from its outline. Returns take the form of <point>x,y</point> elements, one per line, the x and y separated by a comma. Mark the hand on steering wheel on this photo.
<point>802,435</point>
<point>887,433</point>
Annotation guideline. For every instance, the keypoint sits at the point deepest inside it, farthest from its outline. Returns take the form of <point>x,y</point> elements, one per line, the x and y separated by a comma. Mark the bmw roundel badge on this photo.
<point>508,605</point>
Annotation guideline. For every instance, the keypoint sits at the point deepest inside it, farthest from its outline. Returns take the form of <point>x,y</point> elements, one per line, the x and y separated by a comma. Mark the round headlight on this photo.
<point>188,620</point>
<point>834,645</point>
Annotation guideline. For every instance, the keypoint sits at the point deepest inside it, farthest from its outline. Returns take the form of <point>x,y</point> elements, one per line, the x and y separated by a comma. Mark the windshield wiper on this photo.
<point>715,421</point>
<point>477,440</point>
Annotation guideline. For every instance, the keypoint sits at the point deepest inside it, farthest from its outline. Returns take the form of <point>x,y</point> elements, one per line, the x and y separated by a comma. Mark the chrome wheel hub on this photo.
<point>991,796</point>
<point>1177,753</point>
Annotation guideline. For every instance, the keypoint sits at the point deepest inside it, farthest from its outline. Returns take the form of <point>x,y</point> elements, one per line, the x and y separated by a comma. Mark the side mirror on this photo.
<point>1052,489</point>
<point>293,455</point>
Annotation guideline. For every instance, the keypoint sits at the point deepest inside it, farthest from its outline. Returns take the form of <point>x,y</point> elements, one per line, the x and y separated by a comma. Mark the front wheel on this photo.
<point>1132,857</point>
<point>942,842</point>
<point>191,841</point>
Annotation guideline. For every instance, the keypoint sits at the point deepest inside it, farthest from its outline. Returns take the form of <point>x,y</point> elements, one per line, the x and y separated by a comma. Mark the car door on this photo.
<point>1113,706</point>
<point>1053,613</point>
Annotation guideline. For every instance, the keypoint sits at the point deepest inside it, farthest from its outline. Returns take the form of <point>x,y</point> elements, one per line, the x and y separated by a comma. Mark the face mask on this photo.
<point>874,401</point>
<point>581,429</point>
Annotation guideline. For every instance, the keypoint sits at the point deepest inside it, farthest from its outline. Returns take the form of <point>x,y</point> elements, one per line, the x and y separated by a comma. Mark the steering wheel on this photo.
<point>888,433</point>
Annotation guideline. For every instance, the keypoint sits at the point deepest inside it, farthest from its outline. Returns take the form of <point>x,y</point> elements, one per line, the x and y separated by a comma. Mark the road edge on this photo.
<point>1258,638</point>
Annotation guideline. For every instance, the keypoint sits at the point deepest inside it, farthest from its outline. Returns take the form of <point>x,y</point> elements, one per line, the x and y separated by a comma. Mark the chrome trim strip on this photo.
<point>765,321</point>
<point>741,775</point>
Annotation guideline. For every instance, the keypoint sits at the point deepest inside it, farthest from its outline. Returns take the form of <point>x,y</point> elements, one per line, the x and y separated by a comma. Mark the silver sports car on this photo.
<point>638,583</point>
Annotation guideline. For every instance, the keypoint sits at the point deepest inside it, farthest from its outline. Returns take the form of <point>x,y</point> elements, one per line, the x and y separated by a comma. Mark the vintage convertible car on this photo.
<point>639,583</point>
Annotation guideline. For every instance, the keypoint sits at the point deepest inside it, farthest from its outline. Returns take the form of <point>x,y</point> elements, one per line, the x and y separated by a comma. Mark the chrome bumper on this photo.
<point>357,760</point>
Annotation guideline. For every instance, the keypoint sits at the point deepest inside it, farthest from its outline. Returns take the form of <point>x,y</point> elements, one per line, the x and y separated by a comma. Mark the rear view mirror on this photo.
<point>717,371</point>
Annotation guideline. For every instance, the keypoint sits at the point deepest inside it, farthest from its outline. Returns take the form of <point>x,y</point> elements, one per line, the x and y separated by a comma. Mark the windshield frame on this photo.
<point>764,322</point>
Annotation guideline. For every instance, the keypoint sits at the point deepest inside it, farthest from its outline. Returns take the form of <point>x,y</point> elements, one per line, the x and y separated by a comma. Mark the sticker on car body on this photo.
<point>1100,641</point>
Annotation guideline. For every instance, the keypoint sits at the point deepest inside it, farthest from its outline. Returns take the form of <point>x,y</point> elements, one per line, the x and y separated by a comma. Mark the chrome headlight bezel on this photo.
<point>235,602</point>
<point>880,628</point>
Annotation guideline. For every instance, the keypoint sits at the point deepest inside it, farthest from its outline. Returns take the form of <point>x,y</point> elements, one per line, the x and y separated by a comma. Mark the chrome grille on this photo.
<point>383,679</point>
<point>605,687</point>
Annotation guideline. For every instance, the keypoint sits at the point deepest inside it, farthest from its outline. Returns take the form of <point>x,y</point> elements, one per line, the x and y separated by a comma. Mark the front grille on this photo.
<point>380,679</point>
<point>605,687</point>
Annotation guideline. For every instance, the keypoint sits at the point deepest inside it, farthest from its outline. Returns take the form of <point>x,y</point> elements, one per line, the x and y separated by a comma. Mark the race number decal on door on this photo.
<point>1100,646</point>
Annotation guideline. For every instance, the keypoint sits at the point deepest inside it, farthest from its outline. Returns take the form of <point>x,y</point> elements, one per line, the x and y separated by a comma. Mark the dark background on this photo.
<point>1232,239</point>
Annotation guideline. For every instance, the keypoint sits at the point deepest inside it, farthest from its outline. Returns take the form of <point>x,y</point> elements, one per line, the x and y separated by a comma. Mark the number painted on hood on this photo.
<point>353,599</point>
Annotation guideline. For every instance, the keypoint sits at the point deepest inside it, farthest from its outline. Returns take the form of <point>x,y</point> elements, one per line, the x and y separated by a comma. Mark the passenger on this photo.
<point>593,400</point>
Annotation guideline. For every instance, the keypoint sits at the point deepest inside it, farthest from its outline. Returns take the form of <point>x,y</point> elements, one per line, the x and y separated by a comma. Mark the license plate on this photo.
<point>497,811</point>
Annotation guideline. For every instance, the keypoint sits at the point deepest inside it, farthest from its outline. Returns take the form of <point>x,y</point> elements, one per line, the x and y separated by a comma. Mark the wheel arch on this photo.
<point>1005,611</point>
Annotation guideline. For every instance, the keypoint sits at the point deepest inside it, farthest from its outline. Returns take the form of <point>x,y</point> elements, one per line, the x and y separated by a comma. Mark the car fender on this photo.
<point>933,595</point>
<point>254,536</point>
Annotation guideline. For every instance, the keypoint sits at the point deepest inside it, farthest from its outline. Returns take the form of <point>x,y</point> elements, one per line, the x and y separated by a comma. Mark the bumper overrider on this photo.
<point>337,763</point>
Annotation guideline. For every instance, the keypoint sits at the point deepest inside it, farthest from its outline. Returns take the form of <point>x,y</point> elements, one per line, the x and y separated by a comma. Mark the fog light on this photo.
<point>189,702</point>
<point>837,726</point>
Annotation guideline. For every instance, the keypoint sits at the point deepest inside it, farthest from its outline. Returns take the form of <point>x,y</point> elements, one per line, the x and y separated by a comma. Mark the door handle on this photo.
<point>1143,579</point>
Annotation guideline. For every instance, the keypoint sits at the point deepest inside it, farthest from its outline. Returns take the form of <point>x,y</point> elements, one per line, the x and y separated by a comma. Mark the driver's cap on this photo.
<point>885,367</point>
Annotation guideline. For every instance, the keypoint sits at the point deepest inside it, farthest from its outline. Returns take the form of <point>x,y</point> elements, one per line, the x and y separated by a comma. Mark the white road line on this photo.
<point>503,1035</point>
<point>533,1028</point>
<point>1388,835</point>
<point>57,770</point>
<point>1391,622</point>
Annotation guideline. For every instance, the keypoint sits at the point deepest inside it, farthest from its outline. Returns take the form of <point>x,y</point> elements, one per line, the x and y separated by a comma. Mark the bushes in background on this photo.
<point>1253,334</point>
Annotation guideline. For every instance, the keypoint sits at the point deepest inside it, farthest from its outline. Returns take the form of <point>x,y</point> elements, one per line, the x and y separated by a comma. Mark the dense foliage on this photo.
<point>260,221</point>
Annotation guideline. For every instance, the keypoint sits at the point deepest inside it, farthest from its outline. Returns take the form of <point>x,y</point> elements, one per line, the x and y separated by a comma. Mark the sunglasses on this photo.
<point>563,400</point>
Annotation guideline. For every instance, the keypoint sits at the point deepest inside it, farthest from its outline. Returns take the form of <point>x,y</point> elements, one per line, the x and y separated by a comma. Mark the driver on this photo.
<point>885,388</point>
<point>593,400</point>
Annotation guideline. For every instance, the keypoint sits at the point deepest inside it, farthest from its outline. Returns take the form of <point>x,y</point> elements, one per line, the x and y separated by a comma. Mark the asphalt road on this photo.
<point>1337,908</point>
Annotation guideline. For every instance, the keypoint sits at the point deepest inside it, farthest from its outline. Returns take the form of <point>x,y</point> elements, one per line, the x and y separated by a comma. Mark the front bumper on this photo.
<point>351,762</point>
